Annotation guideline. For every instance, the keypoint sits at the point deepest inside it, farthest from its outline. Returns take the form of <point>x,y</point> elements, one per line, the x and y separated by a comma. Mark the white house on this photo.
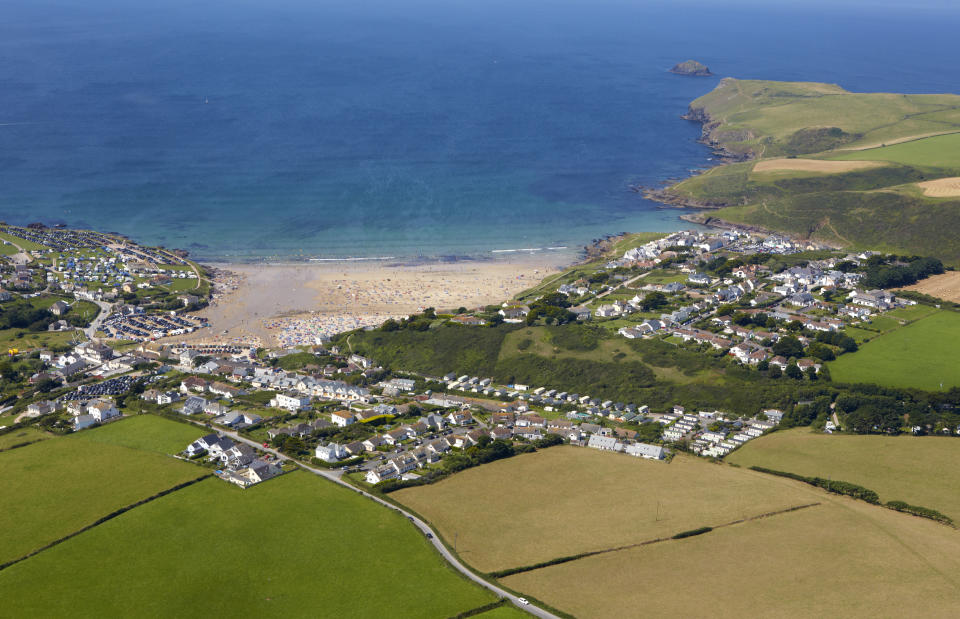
<point>102,410</point>
<point>342,418</point>
<point>291,401</point>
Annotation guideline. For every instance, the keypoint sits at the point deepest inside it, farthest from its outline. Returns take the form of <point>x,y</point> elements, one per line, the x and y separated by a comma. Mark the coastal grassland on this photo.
<point>921,355</point>
<point>942,151</point>
<point>898,468</point>
<point>27,245</point>
<point>27,434</point>
<point>840,558</point>
<point>891,221</point>
<point>145,432</point>
<point>793,118</point>
<point>295,546</point>
<point>22,339</point>
<point>568,500</point>
<point>55,487</point>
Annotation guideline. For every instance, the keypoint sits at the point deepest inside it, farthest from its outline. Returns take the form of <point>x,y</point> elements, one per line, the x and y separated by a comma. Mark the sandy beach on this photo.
<point>289,305</point>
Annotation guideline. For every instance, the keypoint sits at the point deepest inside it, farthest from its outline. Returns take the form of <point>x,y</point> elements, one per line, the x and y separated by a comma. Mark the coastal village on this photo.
<point>323,406</point>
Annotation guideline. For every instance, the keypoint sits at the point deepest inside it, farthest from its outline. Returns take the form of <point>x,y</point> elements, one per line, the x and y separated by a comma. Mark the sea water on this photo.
<point>277,130</point>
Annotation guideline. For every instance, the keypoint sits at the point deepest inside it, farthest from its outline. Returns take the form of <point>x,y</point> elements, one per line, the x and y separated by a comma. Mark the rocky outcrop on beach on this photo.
<point>691,67</point>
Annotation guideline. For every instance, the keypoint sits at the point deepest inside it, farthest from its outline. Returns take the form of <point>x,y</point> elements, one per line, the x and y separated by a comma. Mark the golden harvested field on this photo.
<point>898,468</point>
<point>944,286</point>
<point>813,165</point>
<point>941,188</point>
<point>841,558</point>
<point>567,500</point>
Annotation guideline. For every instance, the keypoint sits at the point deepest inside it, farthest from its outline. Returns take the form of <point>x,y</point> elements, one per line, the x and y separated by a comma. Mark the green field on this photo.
<point>21,435</point>
<point>145,432</point>
<point>921,355</point>
<point>295,546</point>
<point>567,500</point>
<point>55,487</point>
<point>934,152</point>
<point>898,468</point>
<point>841,558</point>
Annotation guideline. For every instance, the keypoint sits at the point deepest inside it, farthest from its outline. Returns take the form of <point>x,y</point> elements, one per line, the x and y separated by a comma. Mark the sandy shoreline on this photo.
<point>294,304</point>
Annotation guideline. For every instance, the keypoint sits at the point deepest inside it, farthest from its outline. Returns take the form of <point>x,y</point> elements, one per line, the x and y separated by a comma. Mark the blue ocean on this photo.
<point>280,129</point>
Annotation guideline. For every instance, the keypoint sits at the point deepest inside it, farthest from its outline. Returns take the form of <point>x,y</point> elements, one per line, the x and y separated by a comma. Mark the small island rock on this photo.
<point>691,67</point>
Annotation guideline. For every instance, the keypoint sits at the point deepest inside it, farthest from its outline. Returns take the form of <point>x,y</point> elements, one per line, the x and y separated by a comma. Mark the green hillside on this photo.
<point>798,137</point>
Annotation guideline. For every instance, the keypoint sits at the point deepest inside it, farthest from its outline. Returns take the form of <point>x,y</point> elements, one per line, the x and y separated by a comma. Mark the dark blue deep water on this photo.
<point>276,129</point>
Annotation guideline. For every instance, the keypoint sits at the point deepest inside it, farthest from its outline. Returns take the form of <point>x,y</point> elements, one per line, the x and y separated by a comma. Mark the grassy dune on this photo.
<point>898,468</point>
<point>839,559</point>
<point>296,546</point>
<point>568,500</point>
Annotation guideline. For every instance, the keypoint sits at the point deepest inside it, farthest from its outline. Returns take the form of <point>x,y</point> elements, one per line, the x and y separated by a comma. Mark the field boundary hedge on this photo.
<point>830,485</point>
<point>863,494</point>
<point>683,534</point>
<point>480,609</point>
<point>922,512</point>
<point>109,516</point>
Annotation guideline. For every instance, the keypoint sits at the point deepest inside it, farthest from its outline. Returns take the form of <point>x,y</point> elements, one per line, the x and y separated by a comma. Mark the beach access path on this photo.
<point>432,536</point>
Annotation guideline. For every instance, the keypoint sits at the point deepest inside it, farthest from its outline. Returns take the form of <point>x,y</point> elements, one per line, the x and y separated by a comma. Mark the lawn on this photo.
<point>839,559</point>
<point>295,546</point>
<point>567,500</point>
<point>55,487</point>
<point>146,432</point>
<point>942,151</point>
<point>904,468</point>
<point>921,355</point>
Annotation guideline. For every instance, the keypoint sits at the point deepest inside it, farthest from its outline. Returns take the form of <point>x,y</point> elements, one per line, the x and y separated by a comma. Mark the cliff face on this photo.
<point>710,136</point>
<point>691,67</point>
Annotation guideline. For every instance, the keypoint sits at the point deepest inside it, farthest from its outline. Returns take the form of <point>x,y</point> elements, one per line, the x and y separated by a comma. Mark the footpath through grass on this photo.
<point>295,546</point>
<point>922,355</point>
<point>898,468</point>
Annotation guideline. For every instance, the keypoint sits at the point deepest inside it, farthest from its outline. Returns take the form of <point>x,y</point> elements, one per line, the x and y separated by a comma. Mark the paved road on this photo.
<point>425,528</point>
<point>95,324</point>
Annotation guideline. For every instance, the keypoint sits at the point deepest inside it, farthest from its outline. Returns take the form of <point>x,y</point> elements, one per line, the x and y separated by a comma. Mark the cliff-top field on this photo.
<point>898,468</point>
<point>568,500</point>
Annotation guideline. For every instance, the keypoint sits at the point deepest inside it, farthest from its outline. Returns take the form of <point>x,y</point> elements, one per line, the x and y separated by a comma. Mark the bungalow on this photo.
<point>471,321</point>
<point>238,420</point>
<point>644,450</point>
<point>531,433</point>
<point>531,420</point>
<point>373,442</point>
<point>501,433</point>
<point>699,279</point>
<point>604,443</point>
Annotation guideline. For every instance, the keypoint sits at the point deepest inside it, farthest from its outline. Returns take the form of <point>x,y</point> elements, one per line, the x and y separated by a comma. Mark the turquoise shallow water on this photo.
<point>255,130</point>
